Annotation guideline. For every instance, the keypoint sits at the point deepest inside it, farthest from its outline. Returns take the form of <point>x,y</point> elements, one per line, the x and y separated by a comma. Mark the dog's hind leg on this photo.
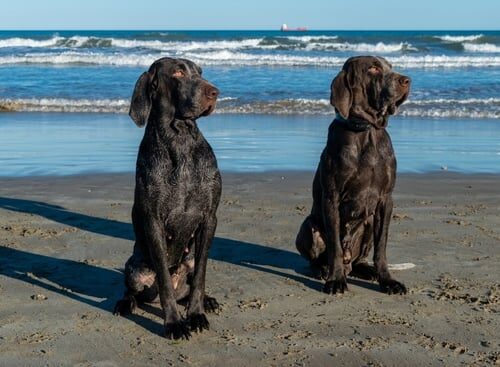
<point>311,245</point>
<point>140,283</point>
<point>304,240</point>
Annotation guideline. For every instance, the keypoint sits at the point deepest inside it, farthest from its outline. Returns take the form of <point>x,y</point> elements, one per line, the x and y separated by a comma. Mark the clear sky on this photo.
<point>250,14</point>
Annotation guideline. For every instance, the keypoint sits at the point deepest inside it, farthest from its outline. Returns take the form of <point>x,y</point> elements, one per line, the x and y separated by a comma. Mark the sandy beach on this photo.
<point>64,240</point>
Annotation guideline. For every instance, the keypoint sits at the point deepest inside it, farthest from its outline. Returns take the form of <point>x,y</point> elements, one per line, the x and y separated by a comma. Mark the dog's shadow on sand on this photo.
<point>102,287</point>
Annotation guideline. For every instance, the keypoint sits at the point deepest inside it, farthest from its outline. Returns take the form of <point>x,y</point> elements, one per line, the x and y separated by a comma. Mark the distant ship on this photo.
<point>284,28</point>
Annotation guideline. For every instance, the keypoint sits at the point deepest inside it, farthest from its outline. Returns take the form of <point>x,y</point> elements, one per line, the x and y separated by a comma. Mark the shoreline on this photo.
<point>64,241</point>
<point>441,174</point>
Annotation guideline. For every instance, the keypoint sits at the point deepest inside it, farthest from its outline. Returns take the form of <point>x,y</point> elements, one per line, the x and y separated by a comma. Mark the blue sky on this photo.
<point>250,14</point>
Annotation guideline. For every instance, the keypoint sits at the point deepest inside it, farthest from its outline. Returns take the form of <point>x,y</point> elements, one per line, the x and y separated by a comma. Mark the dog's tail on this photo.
<point>402,266</point>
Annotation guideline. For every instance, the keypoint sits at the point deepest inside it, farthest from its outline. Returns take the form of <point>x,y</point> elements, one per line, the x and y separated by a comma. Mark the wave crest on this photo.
<point>64,105</point>
<point>488,108</point>
<point>379,47</point>
<point>28,42</point>
<point>448,38</point>
<point>482,47</point>
<point>231,58</point>
<point>316,43</point>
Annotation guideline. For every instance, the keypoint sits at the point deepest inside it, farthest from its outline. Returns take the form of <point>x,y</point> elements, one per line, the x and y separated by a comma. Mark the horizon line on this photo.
<point>254,29</point>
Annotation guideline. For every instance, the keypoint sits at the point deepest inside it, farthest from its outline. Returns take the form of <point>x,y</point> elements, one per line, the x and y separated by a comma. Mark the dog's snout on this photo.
<point>404,81</point>
<point>210,91</point>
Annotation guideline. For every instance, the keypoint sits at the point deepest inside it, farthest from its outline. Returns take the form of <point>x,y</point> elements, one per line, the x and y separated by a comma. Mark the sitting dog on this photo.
<point>352,187</point>
<point>177,192</point>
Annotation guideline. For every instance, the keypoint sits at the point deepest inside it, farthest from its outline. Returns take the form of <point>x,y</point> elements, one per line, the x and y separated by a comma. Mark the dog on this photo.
<point>353,184</point>
<point>177,192</point>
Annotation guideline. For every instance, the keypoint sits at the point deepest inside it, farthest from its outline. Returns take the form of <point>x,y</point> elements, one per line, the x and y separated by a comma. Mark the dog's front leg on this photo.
<point>196,309</point>
<point>381,228</point>
<point>336,280</point>
<point>175,326</point>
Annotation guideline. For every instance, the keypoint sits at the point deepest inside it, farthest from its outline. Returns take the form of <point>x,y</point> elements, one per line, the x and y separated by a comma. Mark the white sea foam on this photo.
<point>176,48</point>
<point>475,108</point>
<point>226,105</point>
<point>75,57</point>
<point>448,38</point>
<point>84,41</point>
<point>226,57</point>
<point>443,101</point>
<point>311,38</point>
<point>311,43</point>
<point>239,58</point>
<point>190,46</point>
<point>298,106</point>
<point>317,43</point>
<point>449,113</point>
<point>28,42</point>
<point>379,47</point>
<point>305,42</point>
<point>57,42</point>
<point>232,58</point>
<point>65,105</point>
<point>482,47</point>
<point>436,108</point>
<point>443,61</point>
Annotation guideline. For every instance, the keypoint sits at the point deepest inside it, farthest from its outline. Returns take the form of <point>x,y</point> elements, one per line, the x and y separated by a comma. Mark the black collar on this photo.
<point>356,126</point>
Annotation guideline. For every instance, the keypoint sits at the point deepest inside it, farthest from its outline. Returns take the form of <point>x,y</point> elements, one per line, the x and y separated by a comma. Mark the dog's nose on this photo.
<point>404,81</point>
<point>211,92</point>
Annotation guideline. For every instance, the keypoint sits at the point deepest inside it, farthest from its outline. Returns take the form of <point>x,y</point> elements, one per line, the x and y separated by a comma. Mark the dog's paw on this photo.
<point>198,322</point>
<point>210,304</point>
<point>335,286</point>
<point>125,306</point>
<point>177,330</point>
<point>391,286</point>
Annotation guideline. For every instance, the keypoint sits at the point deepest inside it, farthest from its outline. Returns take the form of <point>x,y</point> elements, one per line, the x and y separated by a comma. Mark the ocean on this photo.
<point>274,96</point>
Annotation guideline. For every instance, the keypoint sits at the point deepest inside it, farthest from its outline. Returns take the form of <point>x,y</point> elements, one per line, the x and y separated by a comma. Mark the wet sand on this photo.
<point>63,242</point>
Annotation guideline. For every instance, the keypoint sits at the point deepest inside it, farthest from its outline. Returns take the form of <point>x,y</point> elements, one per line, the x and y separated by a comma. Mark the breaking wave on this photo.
<point>231,58</point>
<point>64,105</point>
<point>316,43</point>
<point>488,108</point>
<point>448,38</point>
<point>482,47</point>
<point>379,47</point>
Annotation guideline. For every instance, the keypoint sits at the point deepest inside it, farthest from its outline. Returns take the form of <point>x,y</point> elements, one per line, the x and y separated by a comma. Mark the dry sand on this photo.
<point>64,240</point>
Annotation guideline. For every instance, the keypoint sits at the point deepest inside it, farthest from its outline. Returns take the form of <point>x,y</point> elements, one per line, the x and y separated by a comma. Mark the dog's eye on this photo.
<point>374,70</point>
<point>178,74</point>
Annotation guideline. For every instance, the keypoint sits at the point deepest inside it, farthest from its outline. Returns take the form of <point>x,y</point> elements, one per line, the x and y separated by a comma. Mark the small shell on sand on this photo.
<point>39,297</point>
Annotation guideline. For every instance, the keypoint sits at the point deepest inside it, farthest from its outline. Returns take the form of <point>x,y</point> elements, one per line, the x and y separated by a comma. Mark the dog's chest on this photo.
<point>177,175</point>
<point>366,174</point>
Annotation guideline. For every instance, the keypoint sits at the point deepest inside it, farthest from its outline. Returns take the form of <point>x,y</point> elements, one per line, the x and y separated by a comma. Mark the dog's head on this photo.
<point>172,89</point>
<point>366,89</point>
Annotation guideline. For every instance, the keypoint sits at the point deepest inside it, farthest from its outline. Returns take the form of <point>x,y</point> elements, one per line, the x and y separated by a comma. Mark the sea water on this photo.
<point>68,92</point>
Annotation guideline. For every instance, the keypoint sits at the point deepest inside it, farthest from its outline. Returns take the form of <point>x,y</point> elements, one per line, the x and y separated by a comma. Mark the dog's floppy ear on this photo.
<point>341,96</point>
<point>140,106</point>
